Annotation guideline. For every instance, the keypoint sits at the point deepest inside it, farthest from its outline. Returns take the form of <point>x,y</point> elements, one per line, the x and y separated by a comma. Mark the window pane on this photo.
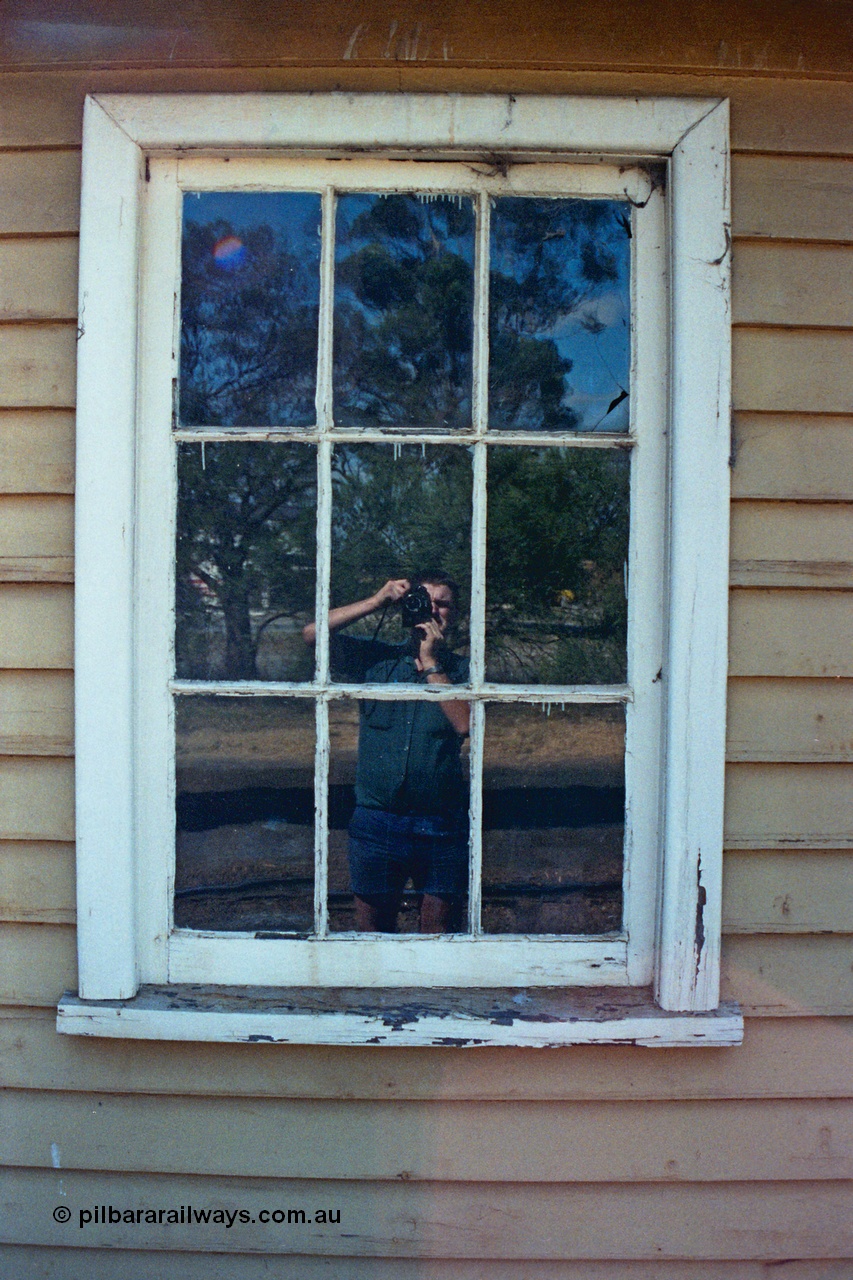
<point>404,295</point>
<point>553,819</point>
<point>245,814</point>
<point>246,542</point>
<point>399,510</point>
<point>557,547</point>
<point>560,307</point>
<point>250,284</point>
<point>398,815</point>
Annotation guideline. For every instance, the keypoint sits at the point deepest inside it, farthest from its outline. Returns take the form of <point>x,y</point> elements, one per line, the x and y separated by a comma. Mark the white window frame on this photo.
<point>121,888</point>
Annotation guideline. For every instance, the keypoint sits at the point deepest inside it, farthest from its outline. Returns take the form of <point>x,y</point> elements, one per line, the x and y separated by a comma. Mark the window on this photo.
<point>327,343</point>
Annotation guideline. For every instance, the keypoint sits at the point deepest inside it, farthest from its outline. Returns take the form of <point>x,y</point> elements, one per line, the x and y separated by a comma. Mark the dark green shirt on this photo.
<point>408,752</point>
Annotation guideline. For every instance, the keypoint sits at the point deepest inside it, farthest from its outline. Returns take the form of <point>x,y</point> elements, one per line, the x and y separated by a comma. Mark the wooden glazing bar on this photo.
<point>475,809</point>
<point>556,695</point>
<point>404,435</point>
<point>324,558</point>
<point>321,819</point>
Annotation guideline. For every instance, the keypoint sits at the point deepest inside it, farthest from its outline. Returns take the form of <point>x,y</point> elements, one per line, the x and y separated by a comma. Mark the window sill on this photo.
<point>536,1018</point>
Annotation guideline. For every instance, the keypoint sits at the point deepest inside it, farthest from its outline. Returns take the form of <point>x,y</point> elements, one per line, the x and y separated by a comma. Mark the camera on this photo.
<point>415,606</point>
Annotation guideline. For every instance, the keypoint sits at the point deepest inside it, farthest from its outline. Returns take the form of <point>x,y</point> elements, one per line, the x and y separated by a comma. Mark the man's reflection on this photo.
<point>410,819</point>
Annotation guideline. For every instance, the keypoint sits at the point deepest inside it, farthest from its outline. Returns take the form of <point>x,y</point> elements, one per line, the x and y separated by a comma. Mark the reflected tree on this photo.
<point>549,258</point>
<point>557,546</point>
<point>403,311</point>
<point>248,325</point>
<point>245,550</point>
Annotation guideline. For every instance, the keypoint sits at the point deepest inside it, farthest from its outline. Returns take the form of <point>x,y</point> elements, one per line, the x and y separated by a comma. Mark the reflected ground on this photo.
<point>553,803</point>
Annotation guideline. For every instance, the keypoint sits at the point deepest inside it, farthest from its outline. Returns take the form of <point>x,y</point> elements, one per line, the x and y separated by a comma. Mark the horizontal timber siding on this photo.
<point>614,1164</point>
<point>36,451</point>
<point>800,1058</point>
<point>36,627</point>
<point>795,457</point>
<point>37,881</point>
<point>576,1142</point>
<point>38,278</point>
<point>36,538</point>
<point>33,1262</point>
<point>414,1219</point>
<point>36,713</point>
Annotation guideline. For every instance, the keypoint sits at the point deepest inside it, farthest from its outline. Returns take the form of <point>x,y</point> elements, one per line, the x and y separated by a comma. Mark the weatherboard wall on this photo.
<point>595,1163</point>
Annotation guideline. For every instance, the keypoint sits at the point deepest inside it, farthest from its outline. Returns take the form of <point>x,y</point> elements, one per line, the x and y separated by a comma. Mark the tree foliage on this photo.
<point>557,517</point>
<point>403,311</point>
<point>248,330</point>
<point>556,549</point>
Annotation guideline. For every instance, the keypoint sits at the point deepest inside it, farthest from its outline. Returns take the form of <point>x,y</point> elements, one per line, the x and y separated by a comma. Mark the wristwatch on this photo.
<point>433,671</point>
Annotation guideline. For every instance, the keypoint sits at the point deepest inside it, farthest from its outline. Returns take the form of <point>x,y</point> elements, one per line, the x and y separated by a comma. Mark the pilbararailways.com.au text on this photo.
<point>186,1213</point>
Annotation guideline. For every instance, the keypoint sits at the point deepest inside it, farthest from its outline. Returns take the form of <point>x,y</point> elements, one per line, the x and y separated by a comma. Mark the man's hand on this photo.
<point>394,589</point>
<point>430,638</point>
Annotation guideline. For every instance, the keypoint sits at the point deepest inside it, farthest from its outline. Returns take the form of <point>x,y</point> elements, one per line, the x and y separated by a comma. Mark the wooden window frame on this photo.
<point>120,943</point>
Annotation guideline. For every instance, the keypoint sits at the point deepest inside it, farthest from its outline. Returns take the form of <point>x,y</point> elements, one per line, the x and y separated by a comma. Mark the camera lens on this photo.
<point>416,606</point>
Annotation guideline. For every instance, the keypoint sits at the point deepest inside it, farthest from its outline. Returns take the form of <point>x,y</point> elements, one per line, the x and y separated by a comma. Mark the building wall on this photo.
<point>595,1163</point>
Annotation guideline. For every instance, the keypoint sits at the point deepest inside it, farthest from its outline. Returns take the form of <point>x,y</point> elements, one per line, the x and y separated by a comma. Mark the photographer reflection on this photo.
<point>410,819</point>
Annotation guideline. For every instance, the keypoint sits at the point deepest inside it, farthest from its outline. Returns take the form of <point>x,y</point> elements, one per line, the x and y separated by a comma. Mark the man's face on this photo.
<point>443,606</point>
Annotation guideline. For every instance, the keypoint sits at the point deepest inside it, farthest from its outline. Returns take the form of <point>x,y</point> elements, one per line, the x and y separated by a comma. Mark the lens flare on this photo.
<point>229,252</point>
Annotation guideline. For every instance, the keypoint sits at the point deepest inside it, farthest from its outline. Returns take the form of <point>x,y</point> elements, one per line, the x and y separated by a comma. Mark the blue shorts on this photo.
<point>387,849</point>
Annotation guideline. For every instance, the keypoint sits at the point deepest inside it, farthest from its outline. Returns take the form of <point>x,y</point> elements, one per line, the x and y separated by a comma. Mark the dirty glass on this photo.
<point>553,819</point>
<point>245,814</point>
<point>246,553</point>
<point>399,510</point>
<point>557,549</point>
<point>404,754</point>
<point>403,323</point>
<point>250,285</point>
<point>559,323</point>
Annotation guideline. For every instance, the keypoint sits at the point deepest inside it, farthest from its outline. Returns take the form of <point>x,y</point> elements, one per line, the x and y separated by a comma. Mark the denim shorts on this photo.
<point>387,849</point>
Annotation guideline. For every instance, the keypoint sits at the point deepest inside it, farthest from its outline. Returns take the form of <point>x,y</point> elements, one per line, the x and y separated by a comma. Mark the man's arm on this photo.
<point>458,712</point>
<point>393,590</point>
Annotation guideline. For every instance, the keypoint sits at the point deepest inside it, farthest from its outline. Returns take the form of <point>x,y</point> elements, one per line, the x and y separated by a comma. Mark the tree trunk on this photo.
<point>240,649</point>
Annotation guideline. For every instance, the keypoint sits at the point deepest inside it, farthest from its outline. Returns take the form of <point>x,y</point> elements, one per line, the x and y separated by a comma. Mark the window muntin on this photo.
<point>581,957</point>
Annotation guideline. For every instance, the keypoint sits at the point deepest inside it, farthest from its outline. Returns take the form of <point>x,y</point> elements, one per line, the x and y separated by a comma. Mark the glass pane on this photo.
<point>560,309</point>
<point>246,541</point>
<point>404,298</point>
<point>557,549</point>
<point>553,819</point>
<point>398,818</point>
<point>398,511</point>
<point>245,814</point>
<point>250,284</point>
